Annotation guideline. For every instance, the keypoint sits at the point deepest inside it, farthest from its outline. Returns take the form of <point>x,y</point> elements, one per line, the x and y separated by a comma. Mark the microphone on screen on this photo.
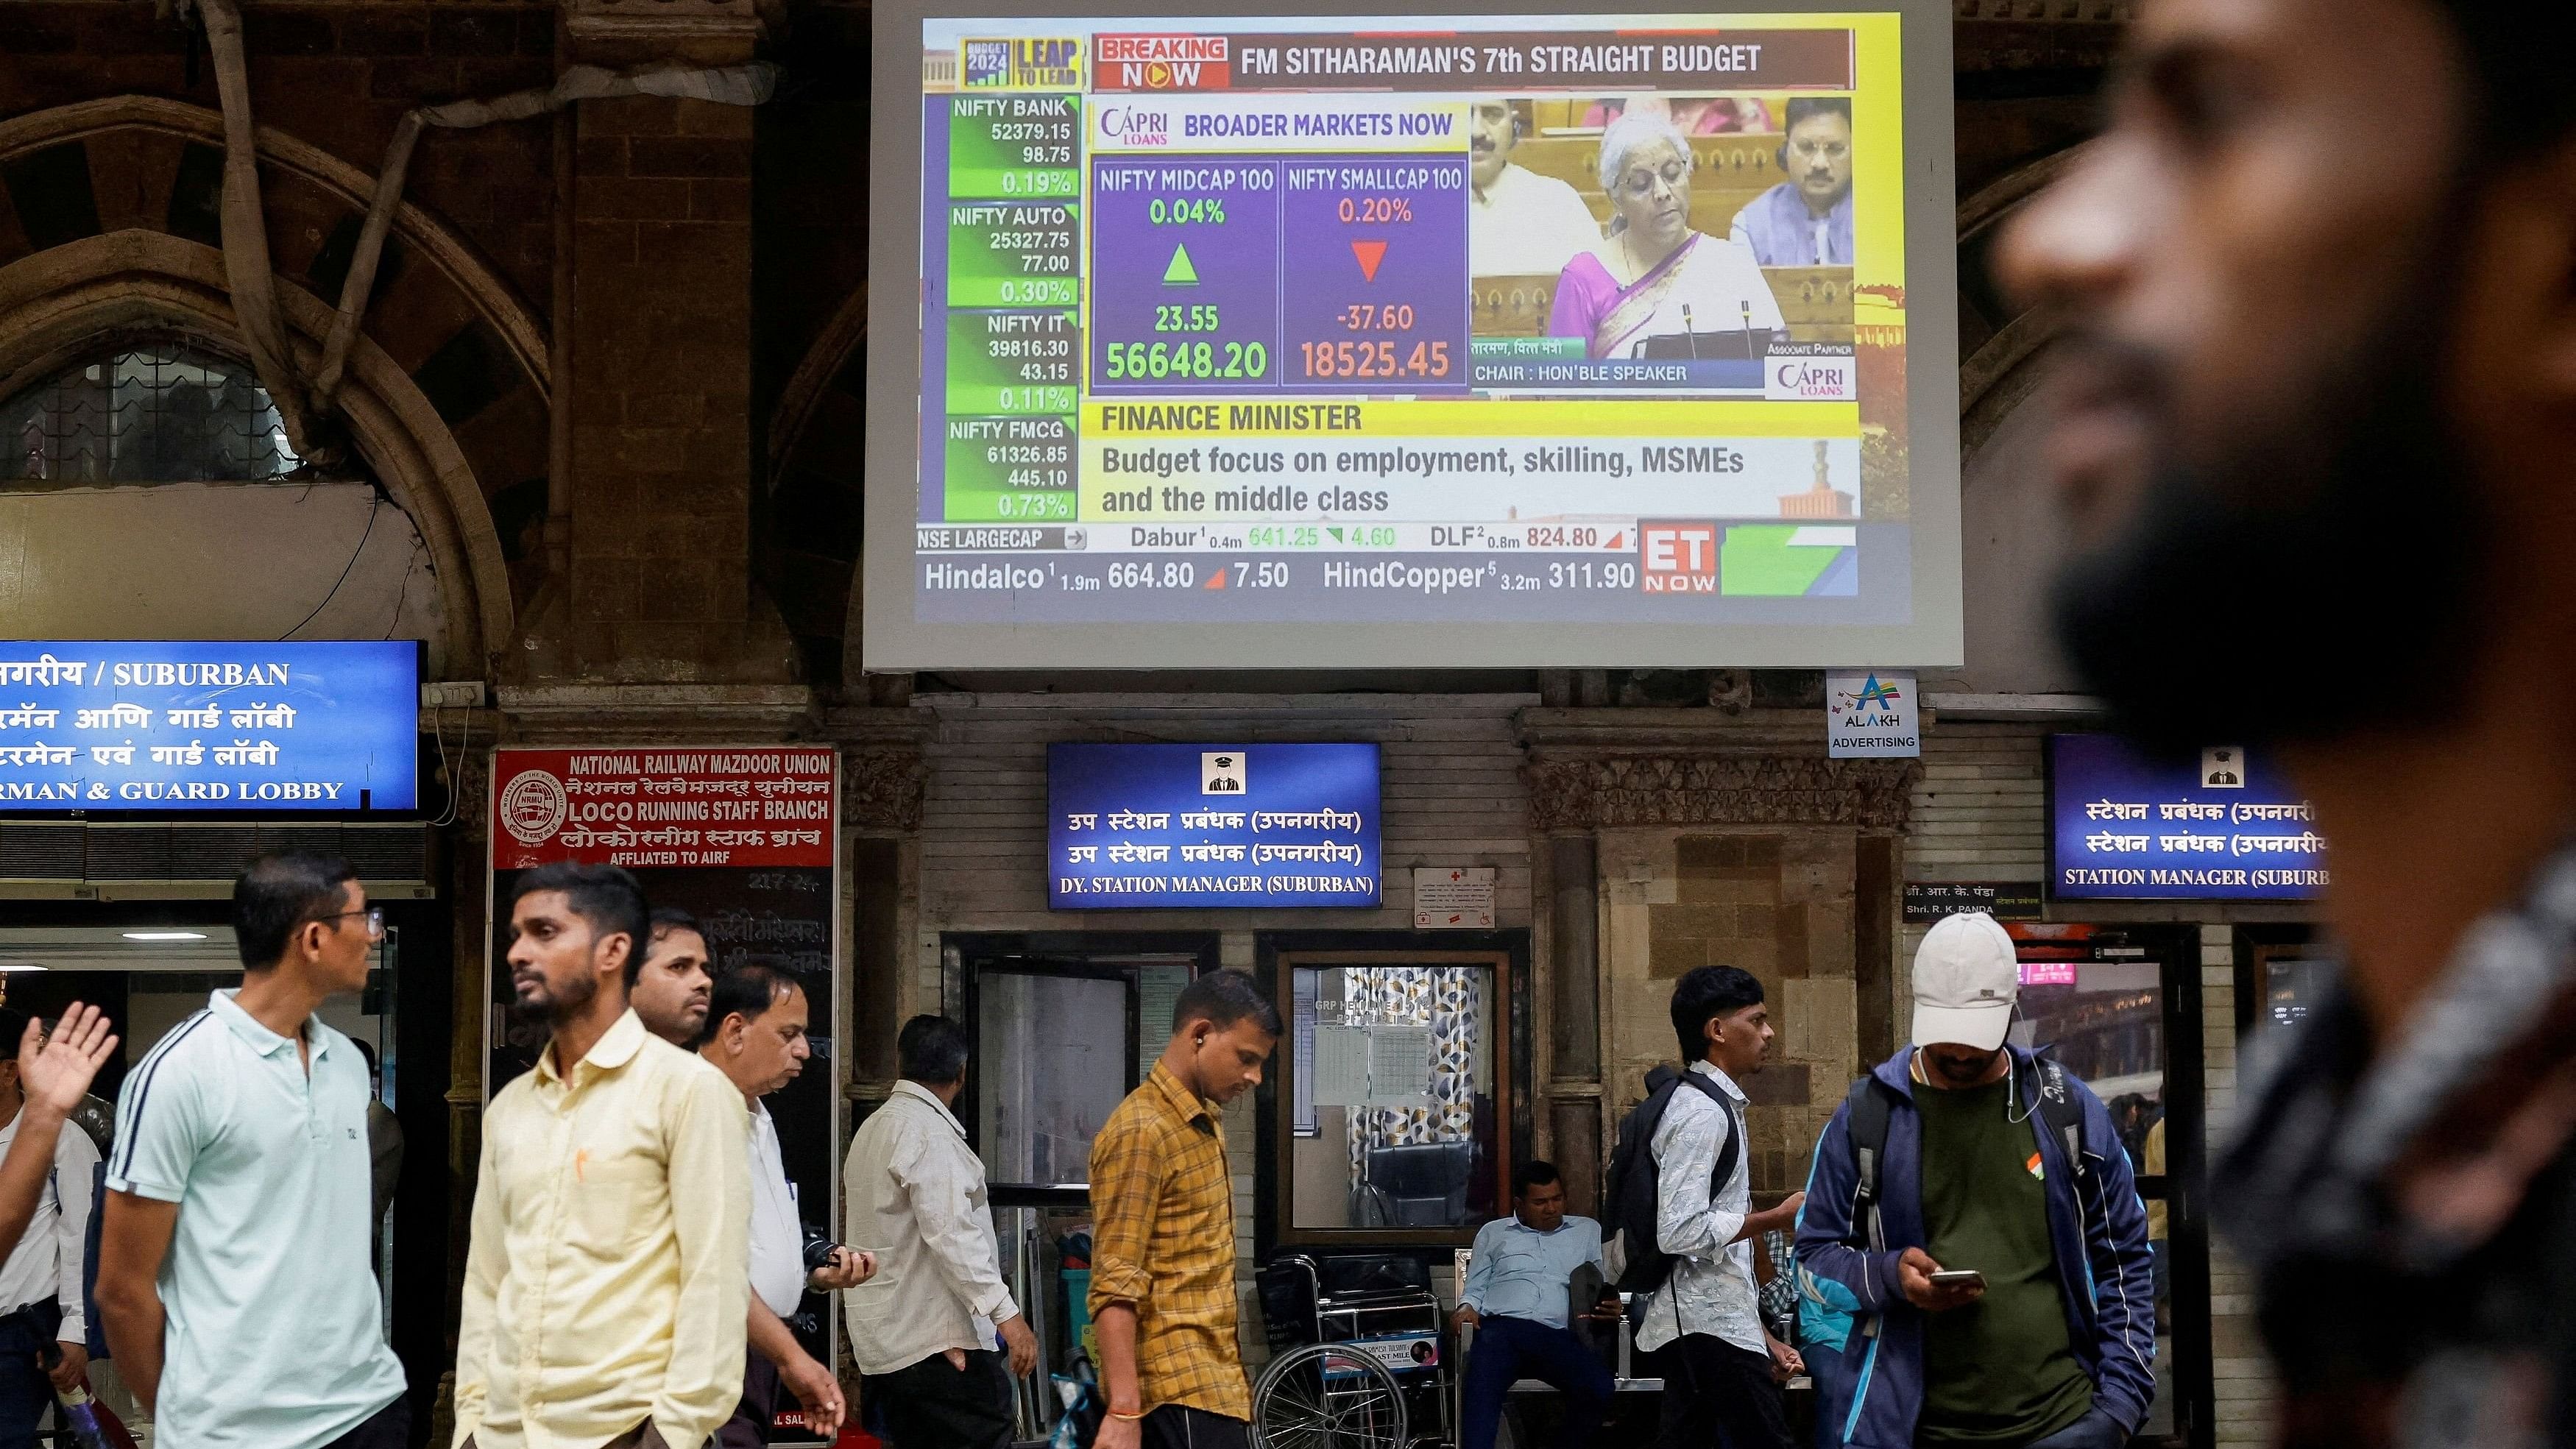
<point>1690,332</point>
<point>1746,307</point>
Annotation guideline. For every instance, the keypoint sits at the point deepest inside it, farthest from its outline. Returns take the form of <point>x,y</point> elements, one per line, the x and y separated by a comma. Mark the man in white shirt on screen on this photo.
<point>1519,223</point>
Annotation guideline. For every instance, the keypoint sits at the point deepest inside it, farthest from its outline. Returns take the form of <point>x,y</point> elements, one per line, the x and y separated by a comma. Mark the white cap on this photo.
<point>1965,979</point>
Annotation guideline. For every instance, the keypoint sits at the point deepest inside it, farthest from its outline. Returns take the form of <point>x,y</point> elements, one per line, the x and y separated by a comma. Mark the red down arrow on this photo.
<point>1369,253</point>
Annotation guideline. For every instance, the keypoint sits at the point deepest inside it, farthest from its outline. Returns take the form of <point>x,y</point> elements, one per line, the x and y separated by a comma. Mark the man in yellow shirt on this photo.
<point>609,1274</point>
<point>1162,1267</point>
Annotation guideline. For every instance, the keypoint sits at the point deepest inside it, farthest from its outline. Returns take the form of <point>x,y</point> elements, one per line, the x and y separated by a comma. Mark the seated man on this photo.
<point>1516,1297</point>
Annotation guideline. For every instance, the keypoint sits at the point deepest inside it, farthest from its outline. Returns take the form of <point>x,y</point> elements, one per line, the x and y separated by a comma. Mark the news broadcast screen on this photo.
<point>1534,339</point>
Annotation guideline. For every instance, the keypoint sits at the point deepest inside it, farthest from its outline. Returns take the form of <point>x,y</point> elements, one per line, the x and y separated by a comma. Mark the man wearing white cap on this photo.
<point>1973,1253</point>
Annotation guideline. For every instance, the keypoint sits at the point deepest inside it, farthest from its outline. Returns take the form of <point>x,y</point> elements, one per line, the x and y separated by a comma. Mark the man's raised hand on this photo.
<point>56,1070</point>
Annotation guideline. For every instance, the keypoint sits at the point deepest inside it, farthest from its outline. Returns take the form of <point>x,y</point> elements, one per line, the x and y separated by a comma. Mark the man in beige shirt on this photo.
<point>609,1275</point>
<point>923,1331</point>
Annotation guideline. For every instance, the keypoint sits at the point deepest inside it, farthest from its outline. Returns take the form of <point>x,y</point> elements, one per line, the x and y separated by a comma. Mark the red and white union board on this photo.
<point>665,806</point>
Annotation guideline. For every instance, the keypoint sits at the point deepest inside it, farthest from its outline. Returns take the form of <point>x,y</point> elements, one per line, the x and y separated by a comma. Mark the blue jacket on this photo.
<point>1864,1343</point>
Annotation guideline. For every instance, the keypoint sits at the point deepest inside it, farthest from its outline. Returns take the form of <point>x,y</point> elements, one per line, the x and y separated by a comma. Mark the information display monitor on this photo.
<point>1529,339</point>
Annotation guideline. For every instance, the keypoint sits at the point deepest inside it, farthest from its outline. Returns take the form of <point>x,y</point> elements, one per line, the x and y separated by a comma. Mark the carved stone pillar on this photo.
<point>881,792</point>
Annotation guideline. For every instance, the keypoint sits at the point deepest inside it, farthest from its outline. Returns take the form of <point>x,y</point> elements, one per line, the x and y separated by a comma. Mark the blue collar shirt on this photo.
<point>1516,1271</point>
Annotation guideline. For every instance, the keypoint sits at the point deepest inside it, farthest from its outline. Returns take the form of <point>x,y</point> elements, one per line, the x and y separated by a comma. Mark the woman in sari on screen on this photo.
<point>1654,276</point>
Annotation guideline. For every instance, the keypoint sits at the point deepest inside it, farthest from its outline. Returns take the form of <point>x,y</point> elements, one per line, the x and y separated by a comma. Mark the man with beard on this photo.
<point>677,980</point>
<point>1963,1154</point>
<point>2315,428</point>
<point>1519,223</point>
<point>608,1277</point>
<point>1806,221</point>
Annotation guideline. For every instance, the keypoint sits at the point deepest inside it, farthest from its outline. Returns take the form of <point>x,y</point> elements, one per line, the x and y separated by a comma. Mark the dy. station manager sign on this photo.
<point>125,725</point>
<point>1134,826</point>
<point>2219,826</point>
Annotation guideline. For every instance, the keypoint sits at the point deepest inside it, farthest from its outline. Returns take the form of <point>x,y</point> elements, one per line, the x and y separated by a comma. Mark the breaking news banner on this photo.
<point>744,838</point>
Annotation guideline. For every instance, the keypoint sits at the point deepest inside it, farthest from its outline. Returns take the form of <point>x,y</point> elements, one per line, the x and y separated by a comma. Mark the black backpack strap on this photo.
<point>1733,1151</point>
<point>2064,1114</point>
<point>1866,1124</point>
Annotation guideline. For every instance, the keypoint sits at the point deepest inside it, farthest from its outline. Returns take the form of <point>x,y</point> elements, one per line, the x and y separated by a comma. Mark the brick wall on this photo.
<point>661,394</point>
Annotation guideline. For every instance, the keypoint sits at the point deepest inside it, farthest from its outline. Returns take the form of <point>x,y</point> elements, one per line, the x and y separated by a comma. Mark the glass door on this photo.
<point>2119,1007</point>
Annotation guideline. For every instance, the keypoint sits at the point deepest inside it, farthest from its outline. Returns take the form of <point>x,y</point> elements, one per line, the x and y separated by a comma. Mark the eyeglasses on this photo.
<point>375,920</point>
<point>1641,181</point>
<point>1815,150</point>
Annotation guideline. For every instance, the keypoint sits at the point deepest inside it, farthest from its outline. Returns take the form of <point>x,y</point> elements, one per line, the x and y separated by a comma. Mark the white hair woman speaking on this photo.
<point>1654,276</point>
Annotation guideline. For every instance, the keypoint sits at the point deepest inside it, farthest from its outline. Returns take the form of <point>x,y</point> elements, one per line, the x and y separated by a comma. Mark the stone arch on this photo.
<point>1996,370</point>
<point>59,302</point>
<point>2011,537</point>
<point>108,222</point>
<point>815,498</point>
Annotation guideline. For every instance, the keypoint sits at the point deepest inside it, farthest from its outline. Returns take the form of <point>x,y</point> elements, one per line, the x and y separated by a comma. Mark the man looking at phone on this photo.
<point>2008,1267</point>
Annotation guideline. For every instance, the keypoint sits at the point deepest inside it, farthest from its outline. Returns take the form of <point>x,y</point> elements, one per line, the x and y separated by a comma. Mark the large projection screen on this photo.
<point>1313,336</point>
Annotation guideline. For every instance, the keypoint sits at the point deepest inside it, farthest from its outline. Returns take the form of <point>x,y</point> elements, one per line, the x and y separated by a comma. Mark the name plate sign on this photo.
<point>110,725</point>
<point>1131,826</point>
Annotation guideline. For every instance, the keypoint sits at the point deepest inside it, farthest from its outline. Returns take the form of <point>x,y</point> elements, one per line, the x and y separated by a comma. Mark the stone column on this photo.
<point>660,379</point>
<point>1573,1015</point>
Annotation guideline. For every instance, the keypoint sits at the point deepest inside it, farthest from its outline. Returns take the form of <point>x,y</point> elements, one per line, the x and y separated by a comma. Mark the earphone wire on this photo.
<point>2013,1075</point>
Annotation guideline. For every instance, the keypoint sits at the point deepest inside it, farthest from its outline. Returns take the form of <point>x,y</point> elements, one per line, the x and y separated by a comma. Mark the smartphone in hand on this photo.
<point>1958,1278</point>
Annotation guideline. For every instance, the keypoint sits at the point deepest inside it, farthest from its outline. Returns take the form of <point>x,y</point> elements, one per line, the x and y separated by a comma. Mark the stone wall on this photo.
<point>1780,904</point>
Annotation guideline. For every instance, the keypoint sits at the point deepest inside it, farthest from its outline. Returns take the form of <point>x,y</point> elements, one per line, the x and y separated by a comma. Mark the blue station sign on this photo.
<point>120,725</point>
<point>2224,826</point>
<point>1137,826</point>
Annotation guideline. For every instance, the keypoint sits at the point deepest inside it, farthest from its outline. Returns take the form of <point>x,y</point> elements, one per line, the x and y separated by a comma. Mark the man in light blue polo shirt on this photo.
<point>233,1276</point>
<point>1516,1296</point>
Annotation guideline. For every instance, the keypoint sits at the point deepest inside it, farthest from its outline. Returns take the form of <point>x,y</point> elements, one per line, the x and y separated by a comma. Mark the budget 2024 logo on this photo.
<point>1020,64</point>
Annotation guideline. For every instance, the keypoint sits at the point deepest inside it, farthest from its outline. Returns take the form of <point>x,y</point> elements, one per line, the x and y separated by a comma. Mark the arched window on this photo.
<point>147,492</point>
<point>151,412</point>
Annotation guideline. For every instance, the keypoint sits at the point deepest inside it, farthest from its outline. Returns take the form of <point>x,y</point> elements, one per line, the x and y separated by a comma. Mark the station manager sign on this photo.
<point>105,725</point>
<point>2219,826</point>
<point>1137,826</point>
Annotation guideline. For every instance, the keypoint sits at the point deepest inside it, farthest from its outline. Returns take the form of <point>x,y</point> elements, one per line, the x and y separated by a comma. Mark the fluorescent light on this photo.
<point>7,966</point>
<point>165,935</point>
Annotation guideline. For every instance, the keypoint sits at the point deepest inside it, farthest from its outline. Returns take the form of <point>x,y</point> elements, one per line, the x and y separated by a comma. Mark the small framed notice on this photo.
<point>1453,898</point>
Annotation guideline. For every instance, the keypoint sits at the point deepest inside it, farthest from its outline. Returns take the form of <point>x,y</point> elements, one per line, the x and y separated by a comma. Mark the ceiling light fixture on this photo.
<point>165,935</point>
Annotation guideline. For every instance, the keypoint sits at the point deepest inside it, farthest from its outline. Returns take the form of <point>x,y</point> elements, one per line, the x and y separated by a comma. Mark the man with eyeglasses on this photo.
<point>233,1275</point>
<point>1806,221</point>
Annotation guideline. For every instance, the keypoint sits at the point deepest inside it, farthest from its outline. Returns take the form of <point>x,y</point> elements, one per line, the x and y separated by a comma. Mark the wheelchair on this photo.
<point>1357,1355</point>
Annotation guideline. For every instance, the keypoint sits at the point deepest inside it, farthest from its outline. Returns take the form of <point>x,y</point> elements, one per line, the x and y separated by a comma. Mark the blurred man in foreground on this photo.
<point>2315,426</point>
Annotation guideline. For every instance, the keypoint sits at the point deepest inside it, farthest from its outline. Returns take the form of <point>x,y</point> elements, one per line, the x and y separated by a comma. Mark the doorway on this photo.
<point>150,964</point>
<point>1060,1028</point>
<point>2121,1007</point>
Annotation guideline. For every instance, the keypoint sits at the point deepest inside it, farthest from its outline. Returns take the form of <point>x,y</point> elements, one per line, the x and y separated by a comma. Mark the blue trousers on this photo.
<point>25,1392</point>
<point>1509,1349</point>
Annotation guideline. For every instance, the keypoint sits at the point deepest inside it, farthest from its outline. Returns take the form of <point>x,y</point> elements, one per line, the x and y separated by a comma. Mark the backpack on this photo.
<point>1635,1188</point>
<point>1868,1105</point>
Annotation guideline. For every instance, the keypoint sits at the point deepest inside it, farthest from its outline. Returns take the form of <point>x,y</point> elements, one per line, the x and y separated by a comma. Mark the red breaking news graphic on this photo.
<point>1160,63</point>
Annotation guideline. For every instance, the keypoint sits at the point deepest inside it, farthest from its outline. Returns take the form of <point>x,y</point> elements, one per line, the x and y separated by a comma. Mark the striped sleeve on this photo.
<point>160,1122</point>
